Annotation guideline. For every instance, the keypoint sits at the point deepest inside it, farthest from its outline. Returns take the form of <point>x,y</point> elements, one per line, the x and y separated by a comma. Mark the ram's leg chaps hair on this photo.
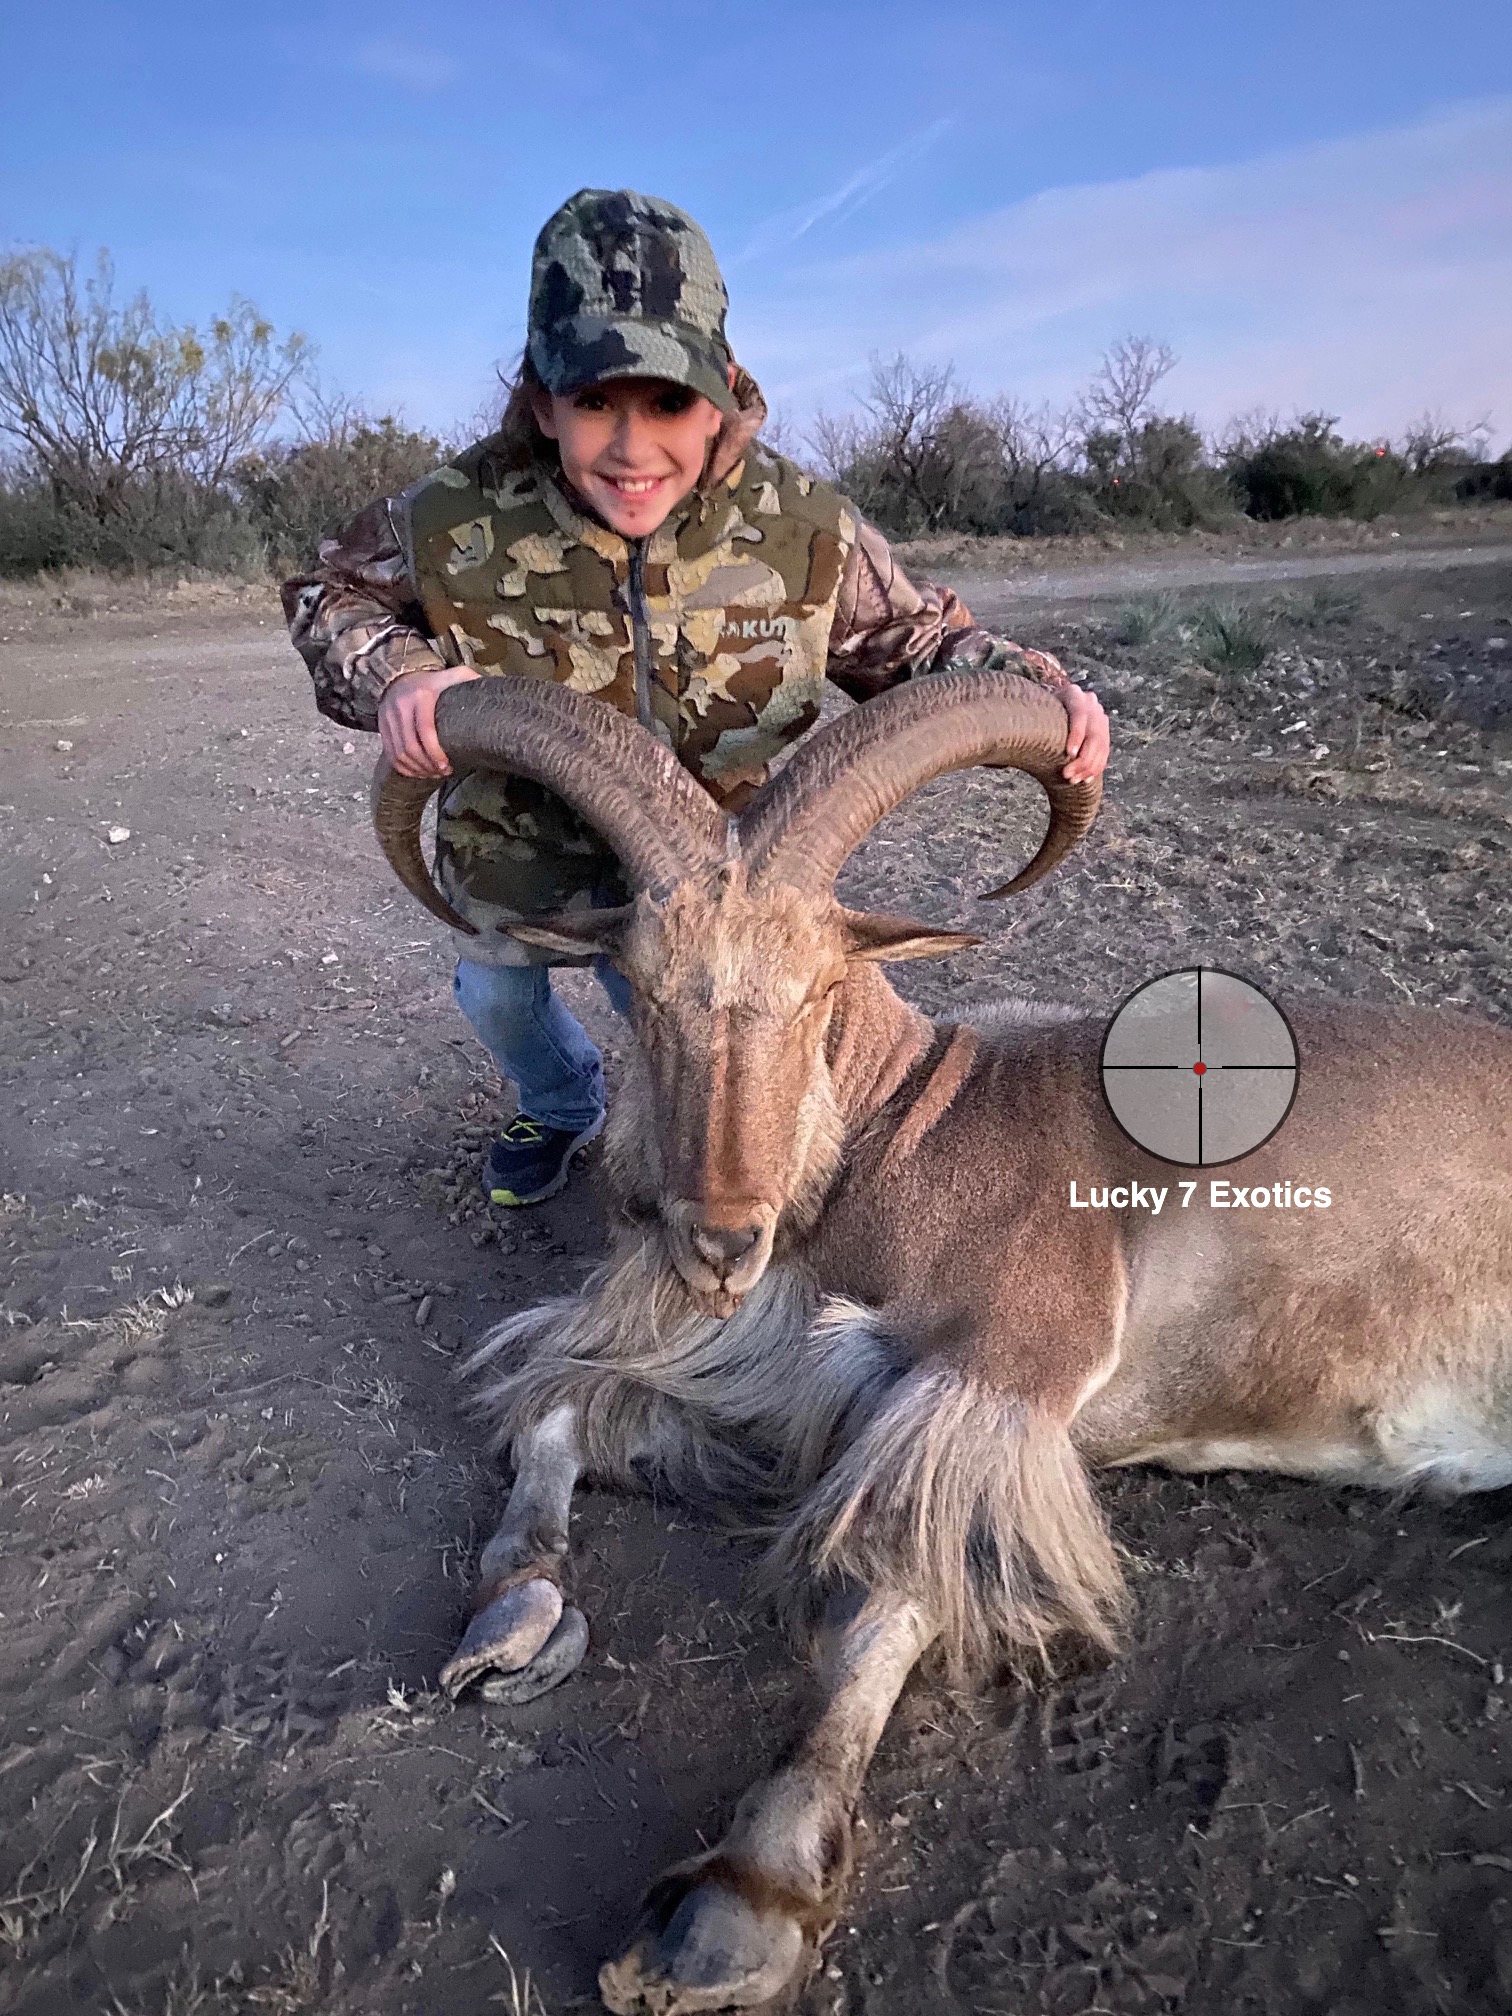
<point>904,1476</point>
<point>971,1505</point>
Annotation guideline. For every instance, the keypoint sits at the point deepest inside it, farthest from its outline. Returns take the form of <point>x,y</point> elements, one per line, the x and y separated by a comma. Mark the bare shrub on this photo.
<point>918,456</point>
<point>921,455</point>
<point>124,428</point>
<point>1120,399</point>
<point>1137,462</point>
<point>297,493</point>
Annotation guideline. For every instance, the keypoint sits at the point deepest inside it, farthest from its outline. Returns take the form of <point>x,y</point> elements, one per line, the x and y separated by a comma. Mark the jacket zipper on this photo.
<point>640,632</point>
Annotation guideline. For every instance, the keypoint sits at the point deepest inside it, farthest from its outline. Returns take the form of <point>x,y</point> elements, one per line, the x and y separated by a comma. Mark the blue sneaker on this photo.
<point>531,1161</point>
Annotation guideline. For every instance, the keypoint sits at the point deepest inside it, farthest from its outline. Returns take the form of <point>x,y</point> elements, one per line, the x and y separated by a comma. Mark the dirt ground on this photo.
<point>239,1253</point>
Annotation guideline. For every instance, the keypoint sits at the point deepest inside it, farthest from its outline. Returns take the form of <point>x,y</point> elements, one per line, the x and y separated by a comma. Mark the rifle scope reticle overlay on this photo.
<point>1199,1067</point>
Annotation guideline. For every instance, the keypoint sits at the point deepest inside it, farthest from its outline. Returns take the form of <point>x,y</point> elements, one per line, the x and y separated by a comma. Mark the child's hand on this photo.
<point>407,720</point>
<point>1087,737</point>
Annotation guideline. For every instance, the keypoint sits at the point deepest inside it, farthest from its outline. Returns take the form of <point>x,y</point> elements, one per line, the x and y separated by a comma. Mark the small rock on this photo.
<point>328,958</point>
<point>63,744</point>
<point>117,834</point>
<point>423,1312</point>
<point>349,748</point>
<point>214,1295</point>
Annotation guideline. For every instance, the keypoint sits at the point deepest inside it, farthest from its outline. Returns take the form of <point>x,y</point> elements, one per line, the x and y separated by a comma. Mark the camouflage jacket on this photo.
<point>718,631</point>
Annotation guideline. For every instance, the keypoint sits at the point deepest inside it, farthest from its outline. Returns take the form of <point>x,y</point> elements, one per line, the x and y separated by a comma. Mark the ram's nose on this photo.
<point>723,1246</point>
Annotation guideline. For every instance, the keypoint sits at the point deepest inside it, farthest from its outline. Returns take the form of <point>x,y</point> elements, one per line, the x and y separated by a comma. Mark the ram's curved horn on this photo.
<point>660,822</point>
<point>398,805</point>
<point>804,824</point>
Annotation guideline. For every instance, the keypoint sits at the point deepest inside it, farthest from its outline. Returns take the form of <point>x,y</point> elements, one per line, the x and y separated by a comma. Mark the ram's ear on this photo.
<point>872,934</point>
<point>575,932</point>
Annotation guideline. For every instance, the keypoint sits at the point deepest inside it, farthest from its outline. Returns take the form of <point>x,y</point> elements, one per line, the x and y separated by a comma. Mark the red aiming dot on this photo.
<point>1199,1069</point>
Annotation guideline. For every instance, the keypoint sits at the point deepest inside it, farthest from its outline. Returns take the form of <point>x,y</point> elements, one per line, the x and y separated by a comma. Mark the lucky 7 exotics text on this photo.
<point>1222,1195</point>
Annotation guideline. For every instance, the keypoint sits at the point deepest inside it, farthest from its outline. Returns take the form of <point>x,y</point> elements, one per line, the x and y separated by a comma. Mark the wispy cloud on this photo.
<point>786,227</point>
<point>1370,276</point>
<point>411,64</point>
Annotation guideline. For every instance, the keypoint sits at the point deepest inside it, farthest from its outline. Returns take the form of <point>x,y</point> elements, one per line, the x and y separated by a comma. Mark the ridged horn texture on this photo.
<point>806,822</point>
<point>398,805</point>
<point>660,822</point>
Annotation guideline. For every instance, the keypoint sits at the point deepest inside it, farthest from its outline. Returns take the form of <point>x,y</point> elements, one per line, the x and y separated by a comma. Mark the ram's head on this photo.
<point>736,947</point>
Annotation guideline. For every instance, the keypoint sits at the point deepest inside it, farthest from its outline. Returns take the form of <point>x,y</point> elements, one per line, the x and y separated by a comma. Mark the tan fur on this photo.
<point>944,1083</point>
<point>974,1506</point>
<point>901,1389</point>
<point>850,1303</point>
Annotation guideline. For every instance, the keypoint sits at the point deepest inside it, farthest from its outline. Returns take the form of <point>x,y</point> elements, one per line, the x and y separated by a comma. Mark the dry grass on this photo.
<point>138,1322</point>
<point>298,1984</point>
<point>519,1995</point>
<point>122,1858</point>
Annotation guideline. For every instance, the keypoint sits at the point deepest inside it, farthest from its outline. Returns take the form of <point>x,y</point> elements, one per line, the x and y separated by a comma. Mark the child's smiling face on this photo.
<point>633,448</point>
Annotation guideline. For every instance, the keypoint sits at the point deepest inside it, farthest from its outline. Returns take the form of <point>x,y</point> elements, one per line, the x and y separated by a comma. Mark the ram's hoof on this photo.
<point>561,1655</point>
<point>506,1634</point>
<point>703,1948</point>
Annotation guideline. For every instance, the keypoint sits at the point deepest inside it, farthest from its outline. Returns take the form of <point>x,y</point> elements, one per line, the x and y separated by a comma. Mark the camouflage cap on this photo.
<point>627,286</point>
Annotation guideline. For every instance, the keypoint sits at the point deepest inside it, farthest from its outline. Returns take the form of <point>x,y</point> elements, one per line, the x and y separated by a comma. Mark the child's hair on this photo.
<point>519,442</point>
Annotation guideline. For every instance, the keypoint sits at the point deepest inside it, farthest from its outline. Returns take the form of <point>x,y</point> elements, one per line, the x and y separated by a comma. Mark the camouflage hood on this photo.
<point>627,286</point>
<point>741,426</point>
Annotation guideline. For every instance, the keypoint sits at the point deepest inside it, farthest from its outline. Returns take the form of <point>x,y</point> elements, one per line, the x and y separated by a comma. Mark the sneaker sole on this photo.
<point>509,1200</point>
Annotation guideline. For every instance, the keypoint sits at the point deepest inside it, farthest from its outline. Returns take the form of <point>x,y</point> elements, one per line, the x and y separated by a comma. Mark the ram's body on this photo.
<point>851,1288</point>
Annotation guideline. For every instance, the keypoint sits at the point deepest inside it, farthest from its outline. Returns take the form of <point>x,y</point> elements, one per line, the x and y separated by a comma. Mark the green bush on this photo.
<point>1229,638</point>
<point>162,525</point>
<point>1153,620</point>
<point>1310,470</point>
<point>1480,482</point>
<point>296,495</point>
<point>1158,476</point>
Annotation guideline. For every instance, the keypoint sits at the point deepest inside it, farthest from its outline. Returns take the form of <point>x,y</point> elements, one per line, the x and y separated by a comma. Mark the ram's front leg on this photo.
<point>523,1639</point>
<point>737,1926</point>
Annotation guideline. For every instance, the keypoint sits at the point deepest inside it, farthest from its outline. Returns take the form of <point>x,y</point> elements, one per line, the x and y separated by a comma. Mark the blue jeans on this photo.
<point>538,1042</point>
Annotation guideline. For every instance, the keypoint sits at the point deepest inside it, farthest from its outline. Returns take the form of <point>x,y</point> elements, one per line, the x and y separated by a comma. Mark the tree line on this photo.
<point>921,455</point>
<point>131,442</point>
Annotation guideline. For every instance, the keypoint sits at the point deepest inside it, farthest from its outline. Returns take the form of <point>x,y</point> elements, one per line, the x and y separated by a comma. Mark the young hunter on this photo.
<point>626,532</point>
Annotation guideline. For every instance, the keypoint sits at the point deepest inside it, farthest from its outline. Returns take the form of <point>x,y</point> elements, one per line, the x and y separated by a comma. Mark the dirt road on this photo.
<point>241,1251</point>
<point>990,596</point>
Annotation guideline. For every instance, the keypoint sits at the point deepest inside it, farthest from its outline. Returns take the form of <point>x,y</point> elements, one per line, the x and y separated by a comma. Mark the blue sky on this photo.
<point>1311,199</point>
